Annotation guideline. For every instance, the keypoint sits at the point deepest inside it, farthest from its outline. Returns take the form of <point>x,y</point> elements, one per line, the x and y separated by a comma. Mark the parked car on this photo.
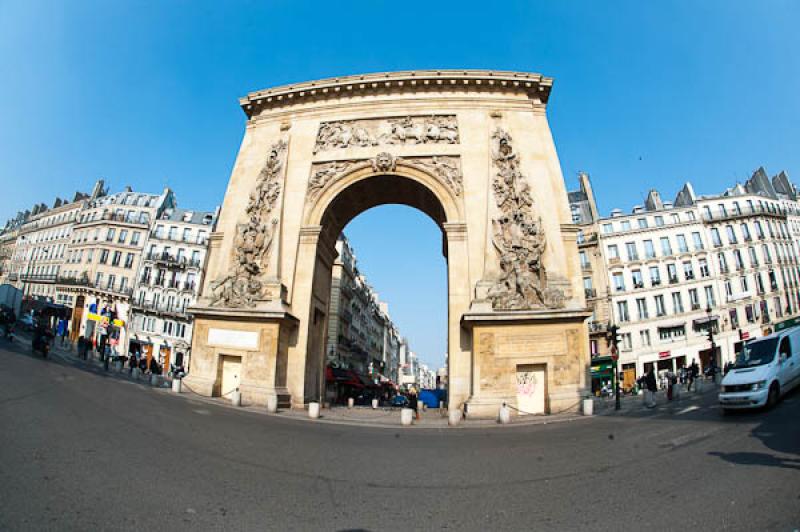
<point>765,370</point>
<point>27,322</point>
<point>399,401</point>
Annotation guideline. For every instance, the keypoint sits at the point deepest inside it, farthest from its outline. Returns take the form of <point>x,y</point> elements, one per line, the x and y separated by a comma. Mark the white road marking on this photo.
<point>688,409</point>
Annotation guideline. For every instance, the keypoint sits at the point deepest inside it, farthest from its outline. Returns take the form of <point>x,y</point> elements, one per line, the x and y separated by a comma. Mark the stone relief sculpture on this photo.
<point>434,129</point>
<point>518,237</point>
<point>242,287</point>
<point>446,168</point>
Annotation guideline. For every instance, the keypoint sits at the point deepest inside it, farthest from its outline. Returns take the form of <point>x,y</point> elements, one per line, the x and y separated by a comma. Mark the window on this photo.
<point>753,257</point>
<point>677,302</point>
<point>619,282</point>
<point>759,283</point>
<point>196,258</point>
<point>707,212</point>
<point>703,268</point>
<point>123,283</point>
<point>694,299</point>
<point>661,309</point>
<point>649,250</point>
<point>159,231</point>
<point>683,247</point>
<point>613,251</point>
<point>98,279</point>
<point>736,208</point>
<point>731,234</point>
<point>116,258</point>
<point>744,284</point>
<point>659,221</point>
<point>641,308</point>
<point>746,232</point>
<point>638,282</point>
<point>734,314</point>
<point>655,276</point>
<point>201,237</point>
<point>584,259</point>
<point>675,218</point>
<point>715,238</point>
<point>608,228</point>
<point>622,312</point>
<point>627,345</point>
<point>767,255</point>
<point>123,235</point>
<point>728,289</point>
<point>103,256</point>
<point>186,234</point>
<point>642,223</point>
<point>759,230</point>
<point>690,215</point>
<point>672,273</point>
<point>173,233</point>
<point>773,281</point>
<point>688,270</point>
<point>670,334</point>
<point>644,336</point>
<point>112,280</point>
<point>89,256</point>
<point>723,210</point>
<point>630,248</point>
<point>110,235</point>
<point>666,247</point>
<point>129,260</point>
<point>723,263</point>
<point>710,297</point>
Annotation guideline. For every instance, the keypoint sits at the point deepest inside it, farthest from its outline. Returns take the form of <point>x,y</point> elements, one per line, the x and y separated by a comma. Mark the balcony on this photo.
<point>160,308</point>
<point>36,278</point>
<point>84,281</point>
<point>172,260</point>
<point>718,215</point>
<point>114,217</point>
<point>673,280</point>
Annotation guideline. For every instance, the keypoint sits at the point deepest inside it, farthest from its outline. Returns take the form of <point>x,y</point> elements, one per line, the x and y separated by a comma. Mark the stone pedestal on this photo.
<point>256,342</point>
<point>519,352</point>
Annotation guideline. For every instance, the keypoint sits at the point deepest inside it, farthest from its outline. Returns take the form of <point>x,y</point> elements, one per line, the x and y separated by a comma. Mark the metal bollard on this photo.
<point>313,410</point>
<point>136,373</point>
<point>236,398</point>
<point>153,380</point>
<point>505,415</point>
<point>350,402</point>
<point>272,403</point>
<point>374,404</point>
<point>588,407</point>
<point>406,416</point>
<point>177,385</point>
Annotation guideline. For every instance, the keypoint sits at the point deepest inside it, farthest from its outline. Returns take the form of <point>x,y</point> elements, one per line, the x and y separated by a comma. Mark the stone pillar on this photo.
<point>458,297</point>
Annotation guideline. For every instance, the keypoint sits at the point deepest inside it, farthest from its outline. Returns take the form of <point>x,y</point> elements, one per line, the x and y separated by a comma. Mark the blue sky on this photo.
<point>145,93</point>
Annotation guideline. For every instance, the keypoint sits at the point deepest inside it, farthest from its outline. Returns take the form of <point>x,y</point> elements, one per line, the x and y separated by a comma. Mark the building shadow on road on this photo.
<point>758,459</point>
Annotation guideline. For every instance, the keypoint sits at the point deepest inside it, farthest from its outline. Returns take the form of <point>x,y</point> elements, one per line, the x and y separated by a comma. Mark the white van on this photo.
<point>766,369</point>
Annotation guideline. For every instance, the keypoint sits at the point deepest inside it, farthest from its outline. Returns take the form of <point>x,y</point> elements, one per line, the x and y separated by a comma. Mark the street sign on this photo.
<point>664,354</point>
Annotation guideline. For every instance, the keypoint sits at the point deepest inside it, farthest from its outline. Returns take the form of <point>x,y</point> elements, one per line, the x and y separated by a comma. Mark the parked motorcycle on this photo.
<point>41,343</point>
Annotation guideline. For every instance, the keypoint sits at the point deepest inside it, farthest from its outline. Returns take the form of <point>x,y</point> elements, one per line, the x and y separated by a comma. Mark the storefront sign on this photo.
<point>664,354</point>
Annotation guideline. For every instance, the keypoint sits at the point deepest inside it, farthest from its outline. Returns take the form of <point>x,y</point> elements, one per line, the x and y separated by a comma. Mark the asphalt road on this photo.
<point>83,451</point>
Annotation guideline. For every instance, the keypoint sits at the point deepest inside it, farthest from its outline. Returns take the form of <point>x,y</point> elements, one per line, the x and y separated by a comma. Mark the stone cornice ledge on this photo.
<point>535,85</point>
<point>249,314</point>
<point>472,318</point>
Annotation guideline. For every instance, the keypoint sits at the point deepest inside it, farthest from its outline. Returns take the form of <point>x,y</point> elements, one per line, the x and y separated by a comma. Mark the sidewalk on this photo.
<point>385,417</point>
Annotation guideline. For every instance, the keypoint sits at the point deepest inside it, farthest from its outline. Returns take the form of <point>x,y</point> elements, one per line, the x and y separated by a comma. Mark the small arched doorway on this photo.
<point>325,219</point>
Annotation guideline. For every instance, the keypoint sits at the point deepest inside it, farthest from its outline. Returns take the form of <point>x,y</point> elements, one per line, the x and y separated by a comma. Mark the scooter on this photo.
<point>41,343</point>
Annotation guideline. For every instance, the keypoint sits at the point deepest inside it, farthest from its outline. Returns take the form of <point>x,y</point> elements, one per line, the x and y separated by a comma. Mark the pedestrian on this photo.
<point>143,364</point>
<point>132,362</point>
<point>652,387</point>
<point>670,382</point>
<point>61,330</point>
<point>412,398</point>
<point>690,377</point>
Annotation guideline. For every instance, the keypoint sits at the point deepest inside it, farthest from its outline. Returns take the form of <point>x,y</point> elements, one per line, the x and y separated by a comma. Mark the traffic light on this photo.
<point>613,335</point>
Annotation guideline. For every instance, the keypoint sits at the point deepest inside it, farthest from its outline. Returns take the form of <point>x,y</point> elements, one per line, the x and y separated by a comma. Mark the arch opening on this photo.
<point>342,207</point>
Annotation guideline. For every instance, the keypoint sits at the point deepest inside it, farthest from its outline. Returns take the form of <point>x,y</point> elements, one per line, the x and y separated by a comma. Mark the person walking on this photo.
<point>61,330</point>
<point>652,387</point>
<point>412,398</point>
<point>670,377</point>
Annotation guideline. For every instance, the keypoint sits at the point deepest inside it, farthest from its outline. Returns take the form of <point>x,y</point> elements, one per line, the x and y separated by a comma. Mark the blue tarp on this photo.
<point>431,398</point>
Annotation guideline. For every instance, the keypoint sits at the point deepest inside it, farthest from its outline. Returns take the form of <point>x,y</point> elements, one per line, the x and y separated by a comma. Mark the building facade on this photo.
<point>102,259</point>
<point>361,336</point>
<point>674,270</point>
<point>167,283</point>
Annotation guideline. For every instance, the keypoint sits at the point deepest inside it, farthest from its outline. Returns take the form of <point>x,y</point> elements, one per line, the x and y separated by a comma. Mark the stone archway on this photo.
<point>369,185</point>
<point>471,149</point>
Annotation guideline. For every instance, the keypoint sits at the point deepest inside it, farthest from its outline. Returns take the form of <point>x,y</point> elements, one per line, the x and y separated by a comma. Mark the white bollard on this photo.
<point>236,398</point>
<point>118,366</point>
<point>406,416</point>
<point>420,406</point>
<point>154,380</point>
<point>350,402</point>
<point>313,410</point>
<point>177,385</point>
<point>588,407</point>
<point>505,415</point>
<point>454,417</point>
<point>136,373</point>
<point>374,404</point>
<point>272,403</point>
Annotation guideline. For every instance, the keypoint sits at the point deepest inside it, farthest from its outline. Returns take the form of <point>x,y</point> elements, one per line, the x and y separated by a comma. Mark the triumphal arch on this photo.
<point>472,150</point>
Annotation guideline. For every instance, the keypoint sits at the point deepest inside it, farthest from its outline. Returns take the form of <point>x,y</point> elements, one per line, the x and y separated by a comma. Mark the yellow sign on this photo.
<point>119,323</point>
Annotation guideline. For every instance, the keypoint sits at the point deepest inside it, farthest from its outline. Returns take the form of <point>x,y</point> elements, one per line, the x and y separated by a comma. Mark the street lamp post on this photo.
<point>713,359</point>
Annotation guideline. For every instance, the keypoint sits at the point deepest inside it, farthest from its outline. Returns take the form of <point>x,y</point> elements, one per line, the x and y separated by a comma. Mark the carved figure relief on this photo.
<point>446,168</point>
<point>433,129</point>
<point>242,287</point>
<point>518,237</point>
